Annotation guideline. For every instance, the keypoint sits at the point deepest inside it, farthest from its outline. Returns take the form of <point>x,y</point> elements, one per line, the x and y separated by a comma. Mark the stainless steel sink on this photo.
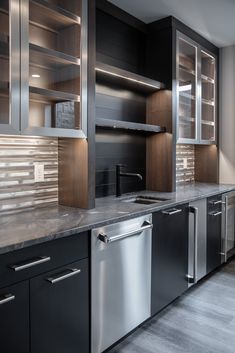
<point>144,200</point>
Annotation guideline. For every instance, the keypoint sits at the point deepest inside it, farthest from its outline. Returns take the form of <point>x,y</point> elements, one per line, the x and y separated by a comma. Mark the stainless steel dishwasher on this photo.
<point>121,279</point>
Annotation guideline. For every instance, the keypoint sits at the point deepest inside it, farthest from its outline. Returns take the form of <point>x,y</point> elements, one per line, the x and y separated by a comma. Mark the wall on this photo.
<point>18,191</point>
<point>227,115</point>
<point>185,173</point>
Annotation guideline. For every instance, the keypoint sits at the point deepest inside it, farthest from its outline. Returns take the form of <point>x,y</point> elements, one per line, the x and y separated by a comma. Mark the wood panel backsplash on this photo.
<point>18,191</point>
<point>185,164</point>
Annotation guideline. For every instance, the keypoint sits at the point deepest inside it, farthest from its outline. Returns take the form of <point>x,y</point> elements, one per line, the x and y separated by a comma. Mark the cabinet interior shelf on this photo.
<point>39,54</point>
<point>125,125</point>
<point>52,95</point>
<point>127,79</point>
<point>52,15</point>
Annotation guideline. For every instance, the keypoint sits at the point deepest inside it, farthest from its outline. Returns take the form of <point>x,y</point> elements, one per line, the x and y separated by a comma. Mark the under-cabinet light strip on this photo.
<point>127,78</point>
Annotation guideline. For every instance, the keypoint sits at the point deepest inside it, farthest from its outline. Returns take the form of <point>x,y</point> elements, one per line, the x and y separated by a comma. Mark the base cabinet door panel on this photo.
<point>14,318</point>
<point>214,232</point>
<point>60,310</point>
<point>169,256</point>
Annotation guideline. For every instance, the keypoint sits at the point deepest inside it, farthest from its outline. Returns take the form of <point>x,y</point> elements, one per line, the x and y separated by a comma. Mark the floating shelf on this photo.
<point>50,15</point>
<point>127,79</point>
<point>51,95</point>
<point>43,56</point>
<point>125,125</point>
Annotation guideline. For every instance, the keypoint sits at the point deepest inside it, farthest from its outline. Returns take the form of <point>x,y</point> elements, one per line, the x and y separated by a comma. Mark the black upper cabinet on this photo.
<point>169,256</point>
<point>60,310</point>
<point>214,241</point>
<point>14,318</point>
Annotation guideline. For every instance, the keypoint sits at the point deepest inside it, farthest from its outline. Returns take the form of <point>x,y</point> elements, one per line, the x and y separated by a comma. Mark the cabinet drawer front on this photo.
<point>59,310</point>
<point>14,318</point>
<point>29,262</point>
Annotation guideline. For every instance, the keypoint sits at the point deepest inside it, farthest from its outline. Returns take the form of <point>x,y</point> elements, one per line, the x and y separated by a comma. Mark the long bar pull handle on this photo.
<point>218,202</point>
<point>215,214</point>
<point>226,230</point>
<point>172,211</point>
<point>56,279</point>
<point>104,237</point>
<point>6,298</point>
<point>193,279</point>
<point>31,263</point>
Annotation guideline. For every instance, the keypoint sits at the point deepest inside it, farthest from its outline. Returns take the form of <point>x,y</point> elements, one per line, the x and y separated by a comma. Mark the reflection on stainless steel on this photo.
<point>197,257</point>
<point>17,186</point>
<point>121,280</point>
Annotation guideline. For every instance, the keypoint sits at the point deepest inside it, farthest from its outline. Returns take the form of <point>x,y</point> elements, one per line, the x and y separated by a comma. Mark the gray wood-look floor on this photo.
<point>201,321</point>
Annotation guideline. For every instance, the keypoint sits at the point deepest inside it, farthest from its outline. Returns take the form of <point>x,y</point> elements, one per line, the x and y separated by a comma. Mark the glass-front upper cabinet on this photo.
<point>186,89</point>
<point>196,88</point>
<point>54,76</point>
<point>9,67</point>
<point>208,78</point>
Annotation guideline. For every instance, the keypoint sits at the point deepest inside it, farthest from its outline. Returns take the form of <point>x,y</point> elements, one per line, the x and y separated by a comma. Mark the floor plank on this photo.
<point>201,321</point>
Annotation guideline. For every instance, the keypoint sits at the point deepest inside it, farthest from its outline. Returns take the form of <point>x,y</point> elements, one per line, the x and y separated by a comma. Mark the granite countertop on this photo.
<point>33,227</point>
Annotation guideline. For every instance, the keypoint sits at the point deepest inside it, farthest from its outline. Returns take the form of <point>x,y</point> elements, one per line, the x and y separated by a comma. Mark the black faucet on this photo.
<point>120,174</point>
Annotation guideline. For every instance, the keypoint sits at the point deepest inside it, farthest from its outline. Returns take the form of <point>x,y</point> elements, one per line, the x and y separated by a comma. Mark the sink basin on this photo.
<point>145,200</point>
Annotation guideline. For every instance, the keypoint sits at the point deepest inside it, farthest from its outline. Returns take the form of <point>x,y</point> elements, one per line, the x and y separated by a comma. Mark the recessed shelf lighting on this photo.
<point>36,76</point>
<point>127,78</point>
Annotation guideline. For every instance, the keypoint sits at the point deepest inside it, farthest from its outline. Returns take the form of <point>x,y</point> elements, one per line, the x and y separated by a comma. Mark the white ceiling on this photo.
<point>214,19</point>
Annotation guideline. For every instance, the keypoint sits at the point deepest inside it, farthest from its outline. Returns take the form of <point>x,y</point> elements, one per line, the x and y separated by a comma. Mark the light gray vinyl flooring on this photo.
<point>201,321</point>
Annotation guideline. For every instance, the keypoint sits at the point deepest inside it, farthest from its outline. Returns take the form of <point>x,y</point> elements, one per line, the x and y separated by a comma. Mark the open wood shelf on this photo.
<point>125,125</point>
<point>40,55</point>
<point>127,79</point>
<point>51,95</point>
<point>53,16</point>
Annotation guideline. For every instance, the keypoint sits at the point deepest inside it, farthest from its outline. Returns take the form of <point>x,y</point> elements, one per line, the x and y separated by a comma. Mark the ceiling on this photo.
<point>214,19</point>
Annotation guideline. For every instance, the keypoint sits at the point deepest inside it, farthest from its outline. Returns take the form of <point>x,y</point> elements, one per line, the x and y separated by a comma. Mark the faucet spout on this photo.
<point>137,175</point>
<point>120,174</point>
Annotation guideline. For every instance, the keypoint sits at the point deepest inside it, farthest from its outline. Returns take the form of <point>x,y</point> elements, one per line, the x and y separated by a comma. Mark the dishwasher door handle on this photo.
<point>106,239</point>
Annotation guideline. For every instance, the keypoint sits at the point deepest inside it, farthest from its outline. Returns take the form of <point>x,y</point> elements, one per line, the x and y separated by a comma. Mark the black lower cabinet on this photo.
<point>214,232</point>
<point>59,310</point>
<point>169,256</point>
<point>14,318</point>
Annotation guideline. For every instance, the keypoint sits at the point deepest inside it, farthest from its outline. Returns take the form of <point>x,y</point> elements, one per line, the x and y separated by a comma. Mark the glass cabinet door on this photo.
<point>186,90</point>
<point>55,67</point>
<point>208,69</point>
<point>9,67</point>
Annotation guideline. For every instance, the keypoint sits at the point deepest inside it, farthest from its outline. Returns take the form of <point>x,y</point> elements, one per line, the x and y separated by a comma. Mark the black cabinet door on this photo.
<point>60,310</point>
<point>169,256</point>
<point>14,318</point>
<point>214,218</point>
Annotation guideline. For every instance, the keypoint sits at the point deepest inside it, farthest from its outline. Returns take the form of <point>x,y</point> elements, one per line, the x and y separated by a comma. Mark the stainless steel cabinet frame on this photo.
<point>196,122</point>
<point>19,88</point>
<point>12,94</point>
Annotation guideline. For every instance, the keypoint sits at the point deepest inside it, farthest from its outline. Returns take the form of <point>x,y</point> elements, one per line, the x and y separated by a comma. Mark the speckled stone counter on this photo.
<point>45,224</point>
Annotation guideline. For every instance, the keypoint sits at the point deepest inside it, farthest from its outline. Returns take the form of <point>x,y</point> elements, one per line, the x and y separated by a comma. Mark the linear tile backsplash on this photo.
<point>18,154</point>
<point>185,164</point>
